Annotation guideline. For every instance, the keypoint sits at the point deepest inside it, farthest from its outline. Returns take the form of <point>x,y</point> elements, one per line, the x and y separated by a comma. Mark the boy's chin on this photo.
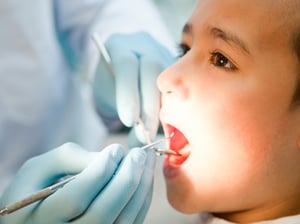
<point>181,204</point>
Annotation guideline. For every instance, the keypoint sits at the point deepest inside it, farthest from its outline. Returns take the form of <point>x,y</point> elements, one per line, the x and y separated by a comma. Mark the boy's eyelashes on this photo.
<point>219,60</point>
<point>216,58</point>
<point>182,49</point>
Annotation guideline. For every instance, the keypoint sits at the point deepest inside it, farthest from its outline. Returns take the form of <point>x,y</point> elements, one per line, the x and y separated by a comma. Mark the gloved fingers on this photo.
<point>144,210</point>
<point>104,89</point>
<point>76,196</point>
<point>126,52</point>
<point>132,140</point>
<point>125,68</point>
<point>41,171</point>
<point>150,97</point>
<point>141,195</point>
<point>138,135</point>
<point>117,193</point>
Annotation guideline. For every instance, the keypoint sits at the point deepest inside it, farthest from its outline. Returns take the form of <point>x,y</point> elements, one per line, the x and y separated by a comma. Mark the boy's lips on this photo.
<point>177,143</point>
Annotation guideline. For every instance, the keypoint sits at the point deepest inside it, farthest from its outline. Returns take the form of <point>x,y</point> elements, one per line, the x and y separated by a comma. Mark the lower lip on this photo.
<point>171,171</point>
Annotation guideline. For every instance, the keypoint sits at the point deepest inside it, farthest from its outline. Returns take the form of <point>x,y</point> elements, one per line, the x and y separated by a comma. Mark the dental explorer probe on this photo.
<point>40,195</point>
<point>159,151</point>
<point>102,50</point>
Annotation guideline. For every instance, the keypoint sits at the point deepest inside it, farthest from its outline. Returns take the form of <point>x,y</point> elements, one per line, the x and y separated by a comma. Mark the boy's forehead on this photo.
<point>264,20</point>
<point>276,6</point>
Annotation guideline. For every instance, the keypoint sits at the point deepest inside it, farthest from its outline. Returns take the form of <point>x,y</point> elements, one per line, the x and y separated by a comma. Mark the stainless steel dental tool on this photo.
<point>102,50</point>
<point>161,151</point>
<point>40,195</point>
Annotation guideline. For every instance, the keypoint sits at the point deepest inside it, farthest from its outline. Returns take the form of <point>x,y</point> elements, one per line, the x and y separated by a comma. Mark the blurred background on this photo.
<point>175,13</point>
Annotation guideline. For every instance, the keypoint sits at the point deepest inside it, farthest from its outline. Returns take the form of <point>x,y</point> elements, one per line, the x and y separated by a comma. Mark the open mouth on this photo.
<point>177,143</point>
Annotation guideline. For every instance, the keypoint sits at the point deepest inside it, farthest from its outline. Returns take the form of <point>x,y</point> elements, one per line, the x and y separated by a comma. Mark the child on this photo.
<point>232,103</point>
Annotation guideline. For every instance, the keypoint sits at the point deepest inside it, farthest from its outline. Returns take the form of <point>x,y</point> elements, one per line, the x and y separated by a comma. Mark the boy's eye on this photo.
<point>220,60</point>
<point>183,49</point>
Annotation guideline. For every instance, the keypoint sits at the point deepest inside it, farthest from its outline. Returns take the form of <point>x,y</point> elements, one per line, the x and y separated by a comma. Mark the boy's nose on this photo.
<point>171,81</point>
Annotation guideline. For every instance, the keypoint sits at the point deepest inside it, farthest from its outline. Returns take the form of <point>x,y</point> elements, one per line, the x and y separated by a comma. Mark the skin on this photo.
<point>230,96</point>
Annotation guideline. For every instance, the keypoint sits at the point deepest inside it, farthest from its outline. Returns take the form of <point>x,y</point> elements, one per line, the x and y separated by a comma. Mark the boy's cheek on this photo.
<point>228,143</point>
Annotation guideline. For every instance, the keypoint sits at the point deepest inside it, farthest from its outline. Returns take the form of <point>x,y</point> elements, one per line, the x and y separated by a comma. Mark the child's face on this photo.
<point>230,96</point>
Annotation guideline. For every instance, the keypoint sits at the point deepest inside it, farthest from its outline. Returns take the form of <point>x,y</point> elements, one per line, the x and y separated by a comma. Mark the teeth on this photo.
<point>161,151</point>
<point>171,135</point>
<point>179,160</point>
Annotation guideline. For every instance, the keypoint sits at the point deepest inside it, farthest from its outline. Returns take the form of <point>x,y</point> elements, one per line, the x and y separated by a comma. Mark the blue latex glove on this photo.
<point>128,89</point>
<point>110,187</point>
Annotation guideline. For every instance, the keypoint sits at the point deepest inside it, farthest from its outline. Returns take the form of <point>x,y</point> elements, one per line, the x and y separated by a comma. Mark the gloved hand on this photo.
<point>110,187</point>
<point>128,88</point>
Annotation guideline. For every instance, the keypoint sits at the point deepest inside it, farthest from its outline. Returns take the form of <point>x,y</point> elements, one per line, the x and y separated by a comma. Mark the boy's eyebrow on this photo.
<point>224,35</point>
<point>229,38</point>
